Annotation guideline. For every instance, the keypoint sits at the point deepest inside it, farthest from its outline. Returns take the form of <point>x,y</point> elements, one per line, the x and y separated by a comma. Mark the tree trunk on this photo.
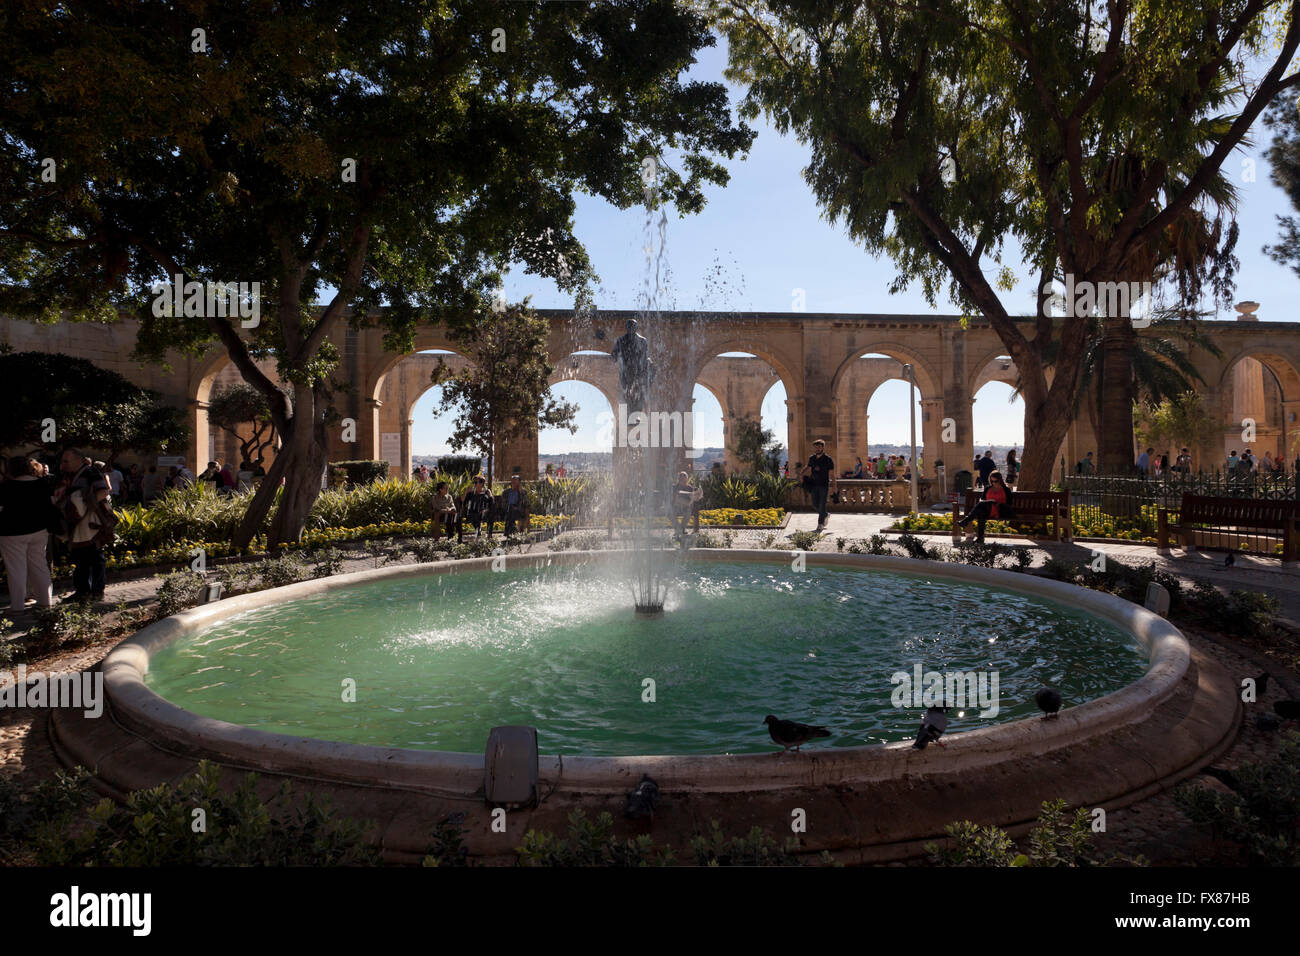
<point>1044,432</point>
<point>264,497</point>
<point>309,450</point>
<point>1117,393</point>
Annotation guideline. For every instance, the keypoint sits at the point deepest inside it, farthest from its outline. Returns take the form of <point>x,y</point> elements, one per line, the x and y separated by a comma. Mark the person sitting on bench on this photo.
<point>996,504</point>
<point>476,509</point>
<point>444,511</point>
<point>517,506</point>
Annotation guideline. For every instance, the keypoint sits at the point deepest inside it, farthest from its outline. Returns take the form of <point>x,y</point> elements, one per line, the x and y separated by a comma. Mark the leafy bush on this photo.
<point>181,591</point>
<point>426,549</point>
<point>469,465</point>
<point>1242,613</point>
<point>241,828</point>
<point>916,548</point>
<point>590,843</point>
<point>878,544</point>
<point>754,849</point>
<point>326,562</point>
<point>1261,815</point>
<point>279,571</point>
<point>448,845</point>
<point>707,539</point>
<point>1059,838</point>
<point>62,626</point>
<point>363,472</point>
<point>804,540</point>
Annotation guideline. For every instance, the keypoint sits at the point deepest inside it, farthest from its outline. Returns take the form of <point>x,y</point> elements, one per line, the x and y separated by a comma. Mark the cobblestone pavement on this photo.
<point>1153,827</point>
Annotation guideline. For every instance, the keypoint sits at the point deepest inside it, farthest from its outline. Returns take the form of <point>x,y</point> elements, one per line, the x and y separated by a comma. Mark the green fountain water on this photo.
<point>437,661</point>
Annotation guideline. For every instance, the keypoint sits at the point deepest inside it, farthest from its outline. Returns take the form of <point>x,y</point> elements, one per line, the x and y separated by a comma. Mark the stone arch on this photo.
<point>1263,384</point>
<point>741,384</point>
<point>988,369</point>
<point>852,390</point>
<point>207,440</point>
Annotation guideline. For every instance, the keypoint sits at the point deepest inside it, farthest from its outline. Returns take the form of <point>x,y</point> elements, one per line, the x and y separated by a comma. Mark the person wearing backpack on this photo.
<point>82,497</point>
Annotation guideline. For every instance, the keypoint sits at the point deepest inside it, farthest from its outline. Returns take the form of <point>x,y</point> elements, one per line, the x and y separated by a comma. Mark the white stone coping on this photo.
<point>142,710</point>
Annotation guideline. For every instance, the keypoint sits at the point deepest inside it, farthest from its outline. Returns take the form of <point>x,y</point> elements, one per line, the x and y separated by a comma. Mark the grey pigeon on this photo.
<point>1049,701</point>
<point>933,724</point>
<point>1287,709</point>
<point>791,733</point>
<point>641,802</point>
<point>1229,561</point>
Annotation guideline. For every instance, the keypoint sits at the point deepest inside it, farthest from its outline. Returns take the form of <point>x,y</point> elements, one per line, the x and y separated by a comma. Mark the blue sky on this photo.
<point>763,236</point>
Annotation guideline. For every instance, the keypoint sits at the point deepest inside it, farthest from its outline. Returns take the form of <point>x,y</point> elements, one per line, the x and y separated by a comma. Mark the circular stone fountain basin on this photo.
<point>865,801</point>
<point>437,661</point>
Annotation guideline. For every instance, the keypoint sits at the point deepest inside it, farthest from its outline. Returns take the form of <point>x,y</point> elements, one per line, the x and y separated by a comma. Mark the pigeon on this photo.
<point>641,801</point>
<point>1287,709</point>
<point>790,733</point>
<point>1229,561</point>
<point>1049,702</point>
<point>933,724</point>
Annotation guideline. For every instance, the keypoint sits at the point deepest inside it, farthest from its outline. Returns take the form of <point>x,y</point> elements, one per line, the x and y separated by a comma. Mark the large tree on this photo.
<point>52,400</point>
<point>1066,136</point>
<point>502,393</point>
<point>387,153</point>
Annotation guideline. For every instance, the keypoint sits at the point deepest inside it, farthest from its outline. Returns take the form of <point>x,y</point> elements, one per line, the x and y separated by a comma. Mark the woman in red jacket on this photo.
<point>996,504</point>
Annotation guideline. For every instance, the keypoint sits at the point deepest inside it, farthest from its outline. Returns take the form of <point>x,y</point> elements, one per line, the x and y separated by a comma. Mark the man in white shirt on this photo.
<point>114,481</point>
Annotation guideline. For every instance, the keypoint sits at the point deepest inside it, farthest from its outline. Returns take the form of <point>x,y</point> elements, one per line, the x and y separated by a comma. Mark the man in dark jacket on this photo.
<point>819,478</point>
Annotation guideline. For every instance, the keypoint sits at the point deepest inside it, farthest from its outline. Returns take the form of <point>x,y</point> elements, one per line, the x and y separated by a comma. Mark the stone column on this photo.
<point>198,447</point>
<point>799,441</point>
<point>957,405</point>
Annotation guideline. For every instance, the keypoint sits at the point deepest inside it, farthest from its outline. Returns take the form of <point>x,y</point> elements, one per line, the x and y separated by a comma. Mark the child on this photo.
<point>444,511</point>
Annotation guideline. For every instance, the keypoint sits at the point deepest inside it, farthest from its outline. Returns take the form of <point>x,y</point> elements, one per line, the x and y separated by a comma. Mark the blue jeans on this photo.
<point>819,495</point>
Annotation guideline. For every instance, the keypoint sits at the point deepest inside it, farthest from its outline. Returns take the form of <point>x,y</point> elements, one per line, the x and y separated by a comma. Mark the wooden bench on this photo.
<point>1031,507</point>
<point>1201,512</point>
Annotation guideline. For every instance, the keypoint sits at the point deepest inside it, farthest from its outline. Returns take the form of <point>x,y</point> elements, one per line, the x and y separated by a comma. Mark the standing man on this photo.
<point>820,475</point>
<point>1144,463</point>
<point>83,499</point>
<point>686,503</point>
<point>1184,463</point>
<point>517,507</point>
<point>986,466</point>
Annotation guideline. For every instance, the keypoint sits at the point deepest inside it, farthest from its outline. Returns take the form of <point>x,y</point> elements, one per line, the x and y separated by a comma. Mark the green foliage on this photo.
<point>62,627</point>
<point>281,570</point>
<point>25,813</point>
<point>377,550</point>
<point>241,827</point>
<point>1177,422</point>
<point>503,391</point>
<point>804,540</point>
<point>1059,838</point>
<point>756,447</point>
<point>917,548</point>
<point>181,590</point>
<point>1240,613</point>
<point>928,144</point>
<point>447,848</point>
<point>91,407</point>
<point>756,848</point>
<point>1261,815</point>
<point>590,843</point>
<point>469,465</point>
<point>426,549</point>
<point>363,472</point>
<point>326,562</point>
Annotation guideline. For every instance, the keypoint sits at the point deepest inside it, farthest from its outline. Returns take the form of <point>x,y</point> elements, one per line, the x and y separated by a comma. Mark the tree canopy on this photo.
<point>1073,138</point>
<point>502,393</point>
<point>243,412</point>
<point>79,403</point>
<point>394,153</point>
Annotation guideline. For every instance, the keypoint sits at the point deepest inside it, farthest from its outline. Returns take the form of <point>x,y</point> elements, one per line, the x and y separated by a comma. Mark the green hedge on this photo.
<point>363,472</point>
<point>460,464</point>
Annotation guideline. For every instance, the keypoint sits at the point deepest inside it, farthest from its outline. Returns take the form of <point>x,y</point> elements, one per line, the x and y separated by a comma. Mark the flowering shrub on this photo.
<point>752,517</point>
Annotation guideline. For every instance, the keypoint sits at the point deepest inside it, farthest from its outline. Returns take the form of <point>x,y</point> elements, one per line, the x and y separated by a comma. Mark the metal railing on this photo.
<point>1131,501</point>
